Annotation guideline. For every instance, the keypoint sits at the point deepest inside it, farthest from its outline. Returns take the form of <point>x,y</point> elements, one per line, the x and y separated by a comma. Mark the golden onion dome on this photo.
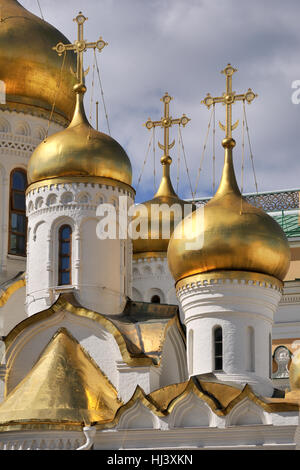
<point>156,216</point>
<point>79,150</point>
<point>29,68</point>
<point>229,235</point>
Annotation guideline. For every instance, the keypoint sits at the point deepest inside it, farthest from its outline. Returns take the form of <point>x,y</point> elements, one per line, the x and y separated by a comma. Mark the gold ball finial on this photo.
<point>79,88</point>
<point>166,160</point>
<point>228,143</point>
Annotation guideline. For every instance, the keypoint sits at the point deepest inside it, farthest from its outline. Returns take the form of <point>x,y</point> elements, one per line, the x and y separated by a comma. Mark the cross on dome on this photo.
<point>228,98</point>
<point>166,122</point>
<point>80,46</point>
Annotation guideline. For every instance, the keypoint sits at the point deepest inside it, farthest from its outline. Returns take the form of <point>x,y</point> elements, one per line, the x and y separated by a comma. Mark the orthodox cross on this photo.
<point>166,122</point>
<point>80,46</point>
<point>228,98</point>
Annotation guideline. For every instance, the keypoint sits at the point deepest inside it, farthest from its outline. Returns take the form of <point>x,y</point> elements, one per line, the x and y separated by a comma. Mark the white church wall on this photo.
<point>13,311</point>
<point>129,377</point>
<point>94,338</point>
<point>151,276</point>
<point>19,135</point>
<point>287,317</point>
<point>173,368</point>
<point>100,275</point>
<point>234,307</point>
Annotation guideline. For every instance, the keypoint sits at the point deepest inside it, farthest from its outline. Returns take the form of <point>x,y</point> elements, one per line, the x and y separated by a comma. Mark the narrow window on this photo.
<point>250,352</point>
<point>65,238</point>
<point>155,299</point>
<point>191,351</point>
<point>270,356</point>
<point>218,348</point>
<point>17,213</point>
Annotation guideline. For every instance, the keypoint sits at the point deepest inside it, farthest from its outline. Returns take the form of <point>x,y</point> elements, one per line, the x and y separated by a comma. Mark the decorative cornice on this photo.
<point>148,256</point>
<point>228,277</point>
<point>35,111</point>
<point>290,299</point>
<point>86,180</point>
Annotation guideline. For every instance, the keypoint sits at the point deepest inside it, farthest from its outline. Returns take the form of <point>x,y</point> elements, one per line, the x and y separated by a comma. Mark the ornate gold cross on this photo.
<point>228,98</point>
<point>80,45</point>
<point>166,122</point>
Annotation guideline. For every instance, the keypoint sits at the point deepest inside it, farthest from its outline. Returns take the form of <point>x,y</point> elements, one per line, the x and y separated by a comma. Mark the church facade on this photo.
<point>190,341</point>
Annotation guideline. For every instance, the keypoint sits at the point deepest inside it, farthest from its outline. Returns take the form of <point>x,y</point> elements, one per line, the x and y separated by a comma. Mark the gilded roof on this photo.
<point>79,151</point>
<point>221,399</point>
<point>29,67</point>
<point>65,385</point>
<point>7,288</point>
<point>144,326</point>
<point>139,331</point>
<point>155,220</point>
<point>228,234</point>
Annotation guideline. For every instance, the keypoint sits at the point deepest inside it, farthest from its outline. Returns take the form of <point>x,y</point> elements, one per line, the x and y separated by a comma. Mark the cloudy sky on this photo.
<point>180,46</point>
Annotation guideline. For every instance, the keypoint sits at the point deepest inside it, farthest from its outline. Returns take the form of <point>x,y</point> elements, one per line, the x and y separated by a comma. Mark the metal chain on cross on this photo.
<point>202,155</point>
<point>185,161</point>
<point>92,92</point>
<point>144,163</point>
<point>42,16</point>
<point>178,161</point>
<point>243,158</point>
<point>102,95</point>
<point>55,96</point>
<point>154,161</point>
<point>250,148</point>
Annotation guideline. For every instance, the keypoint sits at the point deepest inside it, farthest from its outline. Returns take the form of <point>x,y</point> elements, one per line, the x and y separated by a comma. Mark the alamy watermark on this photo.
<point>157,222</point>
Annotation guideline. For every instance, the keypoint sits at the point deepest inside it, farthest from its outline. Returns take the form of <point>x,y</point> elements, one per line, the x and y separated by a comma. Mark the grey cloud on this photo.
<point>180,46</point>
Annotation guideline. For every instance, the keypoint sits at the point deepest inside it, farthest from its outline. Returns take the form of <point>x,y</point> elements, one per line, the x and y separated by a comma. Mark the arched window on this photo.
<point>155,299</point>
<point>17,213</point>
<point>191,351</point>
<point>270,356</point>
<point>65,249</point>
<point>218,348</point>
<point>250,351</point>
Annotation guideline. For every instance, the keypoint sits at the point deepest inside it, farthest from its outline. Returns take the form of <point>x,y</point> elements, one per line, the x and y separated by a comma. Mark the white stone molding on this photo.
<point>251,437</point>
<point>247,413</point>
<point>191,412</point>
<point>152,276</point>
<point>138,417</point>
<point>42,440</point>
<point>174,359</point>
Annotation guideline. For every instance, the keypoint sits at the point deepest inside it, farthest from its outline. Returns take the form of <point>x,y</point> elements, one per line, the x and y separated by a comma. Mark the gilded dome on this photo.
<point>79,150</point>
<point>157,241</point>
<point>229,234</point>
<point>29,67</point>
